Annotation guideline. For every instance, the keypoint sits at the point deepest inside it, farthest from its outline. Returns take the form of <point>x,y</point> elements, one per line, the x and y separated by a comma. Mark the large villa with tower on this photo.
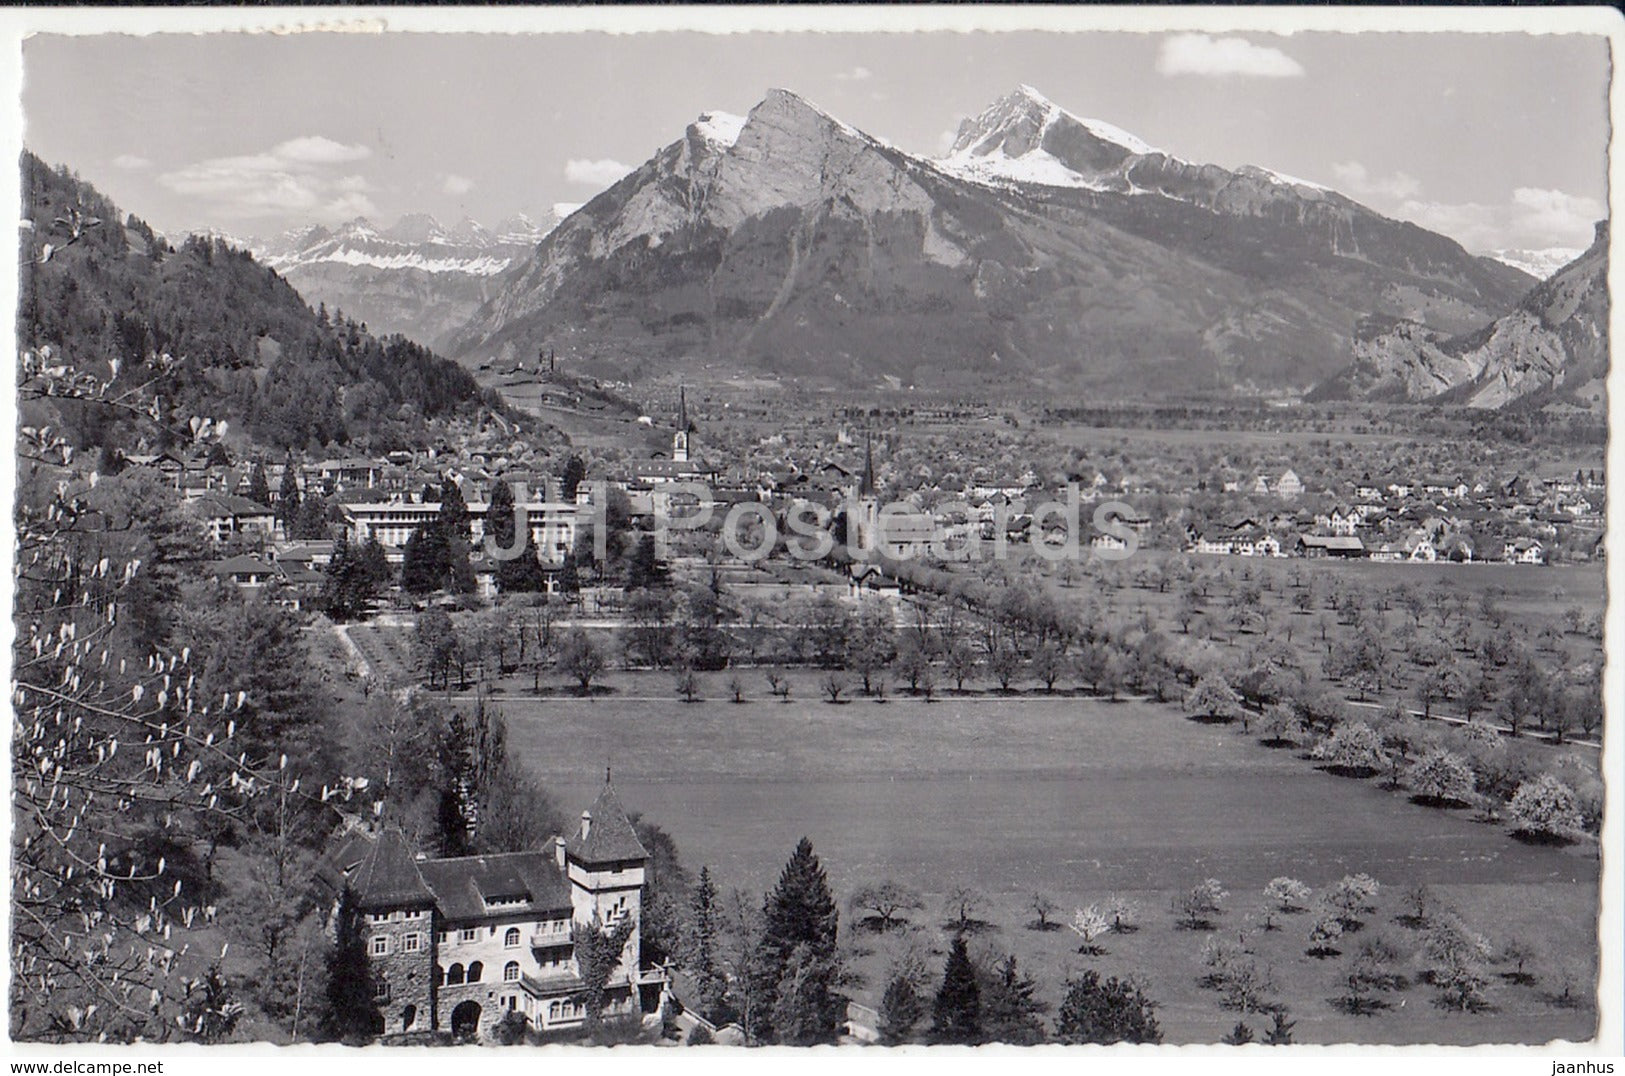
<point>456,944</point>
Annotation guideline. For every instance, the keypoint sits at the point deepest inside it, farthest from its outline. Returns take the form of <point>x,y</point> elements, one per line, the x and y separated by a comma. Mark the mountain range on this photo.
<point>1042,249</point>
<point>417,277</point>
<point>1539,264</point>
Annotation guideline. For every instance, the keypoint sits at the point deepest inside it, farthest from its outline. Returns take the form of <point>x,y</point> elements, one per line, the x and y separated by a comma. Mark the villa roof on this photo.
<point>229,504</point>
<point>241,564</point>
<point>609,835</point>
<point>466,887</point>
<point>388,875</point>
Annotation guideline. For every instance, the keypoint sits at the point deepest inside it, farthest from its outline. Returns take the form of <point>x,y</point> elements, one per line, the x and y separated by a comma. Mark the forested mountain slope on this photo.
<point>212,332</point>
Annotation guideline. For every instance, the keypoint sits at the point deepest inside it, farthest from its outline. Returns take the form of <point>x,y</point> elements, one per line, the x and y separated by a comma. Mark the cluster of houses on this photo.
<point>1517,520</point>
<point>1424,520</point>
<point>387,498</point>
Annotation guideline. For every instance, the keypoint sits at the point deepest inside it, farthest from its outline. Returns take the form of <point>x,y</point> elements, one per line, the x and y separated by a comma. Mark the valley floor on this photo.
<point>1079,799</point>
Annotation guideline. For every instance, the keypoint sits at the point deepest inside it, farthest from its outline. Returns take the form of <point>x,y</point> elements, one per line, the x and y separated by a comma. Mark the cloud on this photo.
<point>1353,177</point>
<point>456,184</point>
<point>130,162</point>
<point>599,173</point>
<point>315,149</point>
<point>1558,213</point>
<point>295,176</point>
<point>1531,219</point>
<point>347,206</point>
<point>857,74</point>
<point>1201,54</point>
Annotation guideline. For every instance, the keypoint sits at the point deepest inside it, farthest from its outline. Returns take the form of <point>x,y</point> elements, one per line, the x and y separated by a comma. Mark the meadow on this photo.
<point>1080,799</point>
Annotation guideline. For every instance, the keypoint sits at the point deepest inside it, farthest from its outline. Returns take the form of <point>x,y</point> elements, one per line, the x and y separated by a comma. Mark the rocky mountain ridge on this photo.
<point>1043,248</point>
<point>1553,342</point>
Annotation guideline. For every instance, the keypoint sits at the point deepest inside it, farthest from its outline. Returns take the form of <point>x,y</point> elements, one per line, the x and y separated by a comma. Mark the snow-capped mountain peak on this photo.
<point>416,228</point>
<point>1539,264</point>
<point>357,228</point>
<point>416,277</point>
<point>1024,137</point>
<point>415,242</point>
<point>469,232</point>
<point>721,129</point>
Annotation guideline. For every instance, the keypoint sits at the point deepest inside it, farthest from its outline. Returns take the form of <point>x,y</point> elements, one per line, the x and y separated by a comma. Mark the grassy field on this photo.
<point>1081,799</point>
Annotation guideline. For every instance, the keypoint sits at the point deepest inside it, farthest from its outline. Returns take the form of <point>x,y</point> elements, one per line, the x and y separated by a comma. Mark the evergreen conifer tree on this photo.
<point>459,577</point>
<point>259,490</point>
<point>339,597</point>
<point>499,515</point>
<point>351,1016</point>
<point>453,516</point>
<point>643,569</point>
<point>288,501</point>
<point>522,574</point>
<point>458,780</point>
<point>311,524</point>
<point>1106,1012</point>
<point>804,1009</point>
<point>801,910</point>
<point>901,1009</point>
<point>800,914</point>
<point>424,569</point>
<point>375,565</point>
<point>1009,1008</point>
<point>575,469</point>
<point>956,1017</point>
<point>569,576</point>
<point>701,958</point>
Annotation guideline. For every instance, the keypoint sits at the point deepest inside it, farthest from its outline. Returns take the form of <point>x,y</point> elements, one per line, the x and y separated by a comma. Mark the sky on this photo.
<point>1498,140</point>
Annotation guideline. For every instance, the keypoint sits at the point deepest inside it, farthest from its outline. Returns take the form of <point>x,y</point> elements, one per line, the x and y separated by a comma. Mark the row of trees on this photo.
<point>1471,765</point>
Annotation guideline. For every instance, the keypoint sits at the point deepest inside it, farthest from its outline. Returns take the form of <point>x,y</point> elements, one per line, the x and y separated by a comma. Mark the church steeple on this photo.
<point>679,440</point>
<point>866,484</point>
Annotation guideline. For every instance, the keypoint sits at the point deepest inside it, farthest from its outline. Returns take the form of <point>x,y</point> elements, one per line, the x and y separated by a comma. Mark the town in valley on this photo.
<point>805,591</point>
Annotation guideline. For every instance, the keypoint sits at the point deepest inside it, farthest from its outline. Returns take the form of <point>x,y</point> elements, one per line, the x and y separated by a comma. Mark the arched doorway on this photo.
<point>465,1020</point>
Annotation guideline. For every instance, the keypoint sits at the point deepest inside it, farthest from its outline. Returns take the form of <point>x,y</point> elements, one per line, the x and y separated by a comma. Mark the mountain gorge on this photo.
<point>1043,248</point>
<point>1554,339</point>
<point>417,278</point>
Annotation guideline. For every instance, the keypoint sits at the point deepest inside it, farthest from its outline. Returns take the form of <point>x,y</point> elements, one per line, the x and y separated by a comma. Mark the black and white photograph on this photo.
<point>875,529</point>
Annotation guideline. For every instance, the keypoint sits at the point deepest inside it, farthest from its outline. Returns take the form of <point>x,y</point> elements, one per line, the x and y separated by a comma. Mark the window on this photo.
<point>455,975</point>
<point>380,945</point>
<point>443,937</point>
<point>510,972</point>
<point>439,975</point>
<point>475,970</point>
<point>469,934</point>
<point>510,940</point>
<point>411,943</point>
<point>380,989</point>
<point>409,1016</point>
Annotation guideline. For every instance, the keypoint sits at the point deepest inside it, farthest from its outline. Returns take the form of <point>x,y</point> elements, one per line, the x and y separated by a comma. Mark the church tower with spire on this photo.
<point>679,440</point>
<point>866,516</point>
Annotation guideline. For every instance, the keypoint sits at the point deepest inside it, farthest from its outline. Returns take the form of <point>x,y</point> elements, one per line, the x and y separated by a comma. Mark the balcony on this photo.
<point>551,935</point>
